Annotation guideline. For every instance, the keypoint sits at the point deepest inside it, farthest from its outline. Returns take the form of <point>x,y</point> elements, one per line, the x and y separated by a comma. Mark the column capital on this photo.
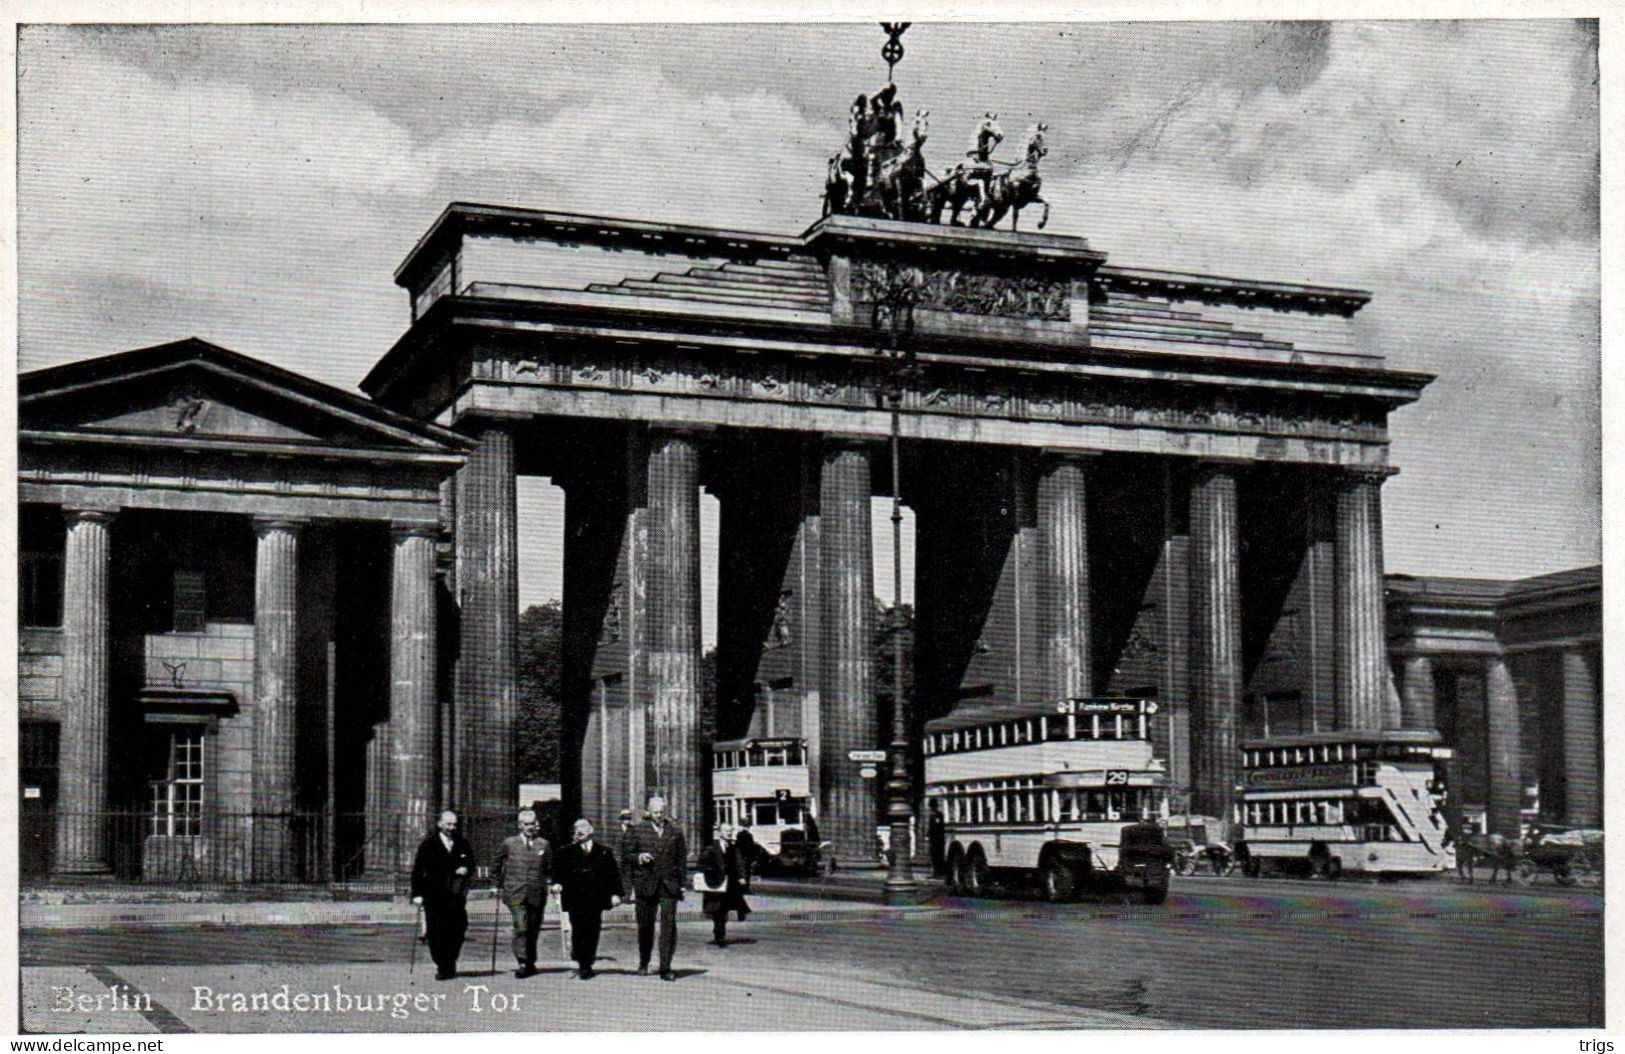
<point>264,525</point>
<point>413,529</point>
<point>836,442</point>
<point>474,420</point>
<point>1048,455</point>
<point>1356,475</point>
<point>89,514</point>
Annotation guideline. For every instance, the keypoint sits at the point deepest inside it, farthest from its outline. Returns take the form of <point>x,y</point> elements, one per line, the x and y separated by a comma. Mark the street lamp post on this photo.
<point>893,321</point>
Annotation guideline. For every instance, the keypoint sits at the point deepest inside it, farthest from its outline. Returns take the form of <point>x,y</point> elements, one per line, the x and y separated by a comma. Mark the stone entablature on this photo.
<point>976,284</point>
<point>1019,339</point>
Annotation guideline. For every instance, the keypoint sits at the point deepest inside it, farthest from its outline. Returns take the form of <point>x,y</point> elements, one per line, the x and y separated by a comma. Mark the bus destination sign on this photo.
<point>1298,778</point>
<point>1106,707</point>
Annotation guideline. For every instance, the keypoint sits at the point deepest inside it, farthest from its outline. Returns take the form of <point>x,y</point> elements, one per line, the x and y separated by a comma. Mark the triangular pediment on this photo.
<point>193,390</point>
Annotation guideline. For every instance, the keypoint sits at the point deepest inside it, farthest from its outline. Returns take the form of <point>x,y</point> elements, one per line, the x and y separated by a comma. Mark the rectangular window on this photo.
<point>177,796</point>
<point>766,814</point>
<point>190,616</point>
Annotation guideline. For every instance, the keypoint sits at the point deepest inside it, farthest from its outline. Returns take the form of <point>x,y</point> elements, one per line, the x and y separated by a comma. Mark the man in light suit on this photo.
<point>588,881</point>
<point>440,875</point>
<point>657,857</point>
<point>520,872</point>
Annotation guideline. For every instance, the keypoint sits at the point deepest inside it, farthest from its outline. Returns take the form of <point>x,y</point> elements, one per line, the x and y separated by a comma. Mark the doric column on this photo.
<point>82,798</point>
<point>674,642</point>
<point>411,725</point>
<point>1361,660</point>
<point>1580,721</point>
<point>1502,739</point>
<point>1418,694</point>
<point>847,721</point>
<point>1320,602</point>
<point>276,694</point>
<point>1063,533</point>
<point>488,597</point>
<point>1173,738</point>
<point>1215,637</point>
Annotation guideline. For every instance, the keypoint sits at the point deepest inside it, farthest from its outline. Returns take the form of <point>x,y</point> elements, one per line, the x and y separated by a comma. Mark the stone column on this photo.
<point>1502,739</point>
<point>82,769</point>
<point>674,642</point>
<point>1418,697</point>
<point>488,595</point>
<point>1580,720</point>
<point>1361,659</point>
<point>1215,638</point>
<point>411,725</point>
<point>276,698</point>
<point>1174,610</point>
<point>846,815</point>
<point>1320,602</point>
<point>1063,532</point>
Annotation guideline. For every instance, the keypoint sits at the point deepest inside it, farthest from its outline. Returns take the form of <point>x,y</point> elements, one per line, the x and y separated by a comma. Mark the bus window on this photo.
<point>766,814</point>
<point>789,813</point>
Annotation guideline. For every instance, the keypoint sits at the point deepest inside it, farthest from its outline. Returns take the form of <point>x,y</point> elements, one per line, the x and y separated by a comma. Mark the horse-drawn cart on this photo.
<point>1567,857</point>
<point>1570,857</point>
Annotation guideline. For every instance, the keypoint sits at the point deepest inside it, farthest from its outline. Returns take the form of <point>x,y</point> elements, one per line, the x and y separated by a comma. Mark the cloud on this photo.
<point>258,187</point>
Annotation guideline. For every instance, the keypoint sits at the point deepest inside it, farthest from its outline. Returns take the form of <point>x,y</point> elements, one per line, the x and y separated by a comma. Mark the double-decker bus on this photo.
<point>1326,803</point>
<point>1066,794</point>
<point>763,783</point>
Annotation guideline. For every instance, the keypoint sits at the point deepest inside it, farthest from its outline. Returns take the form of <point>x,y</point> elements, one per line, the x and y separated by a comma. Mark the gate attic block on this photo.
<point>1103,435</point>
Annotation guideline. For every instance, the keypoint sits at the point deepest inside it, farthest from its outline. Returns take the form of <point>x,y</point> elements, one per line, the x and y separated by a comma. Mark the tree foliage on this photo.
<point>540,725</point>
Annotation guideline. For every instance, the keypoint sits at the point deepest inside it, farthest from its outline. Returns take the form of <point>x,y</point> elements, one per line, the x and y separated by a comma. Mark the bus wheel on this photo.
<point>1250,865</point>
<point>1155,892</point>
<point>1060,881</point>
<point>976,877</point>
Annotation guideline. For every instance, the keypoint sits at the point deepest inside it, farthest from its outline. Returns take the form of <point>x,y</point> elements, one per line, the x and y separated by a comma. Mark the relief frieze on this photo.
<point>938,390</point>
<point>966,293</point>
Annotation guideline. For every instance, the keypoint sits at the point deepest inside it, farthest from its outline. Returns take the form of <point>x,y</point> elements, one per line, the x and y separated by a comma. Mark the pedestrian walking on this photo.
<point>745,843</point>
<point>621,848</point>
<point>657,857</point>
<point>521,876</point>
<point>720,869</point>
<point>440,875</point>
<point>936,838</point>
<point>588,882</point>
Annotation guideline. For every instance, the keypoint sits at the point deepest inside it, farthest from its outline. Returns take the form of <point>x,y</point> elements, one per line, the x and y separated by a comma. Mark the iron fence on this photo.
<point>218,849</point>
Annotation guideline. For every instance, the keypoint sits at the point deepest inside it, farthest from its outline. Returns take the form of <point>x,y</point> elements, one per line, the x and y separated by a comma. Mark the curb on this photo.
<point>131,917</point>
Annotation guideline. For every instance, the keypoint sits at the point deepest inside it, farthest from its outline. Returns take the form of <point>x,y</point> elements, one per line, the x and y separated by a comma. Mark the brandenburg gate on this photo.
<point>1126,481</point>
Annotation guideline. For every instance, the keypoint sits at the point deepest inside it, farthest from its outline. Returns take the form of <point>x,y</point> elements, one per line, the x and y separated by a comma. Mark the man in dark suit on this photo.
<point>719,863</point>
<point>521,873</point>
<point>588,881</point>
<point>440,876</point>
<point>657,857</point>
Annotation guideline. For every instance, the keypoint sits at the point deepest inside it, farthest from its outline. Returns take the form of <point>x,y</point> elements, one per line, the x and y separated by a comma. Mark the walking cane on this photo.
<point>417,938</point>
<point>496,925</point>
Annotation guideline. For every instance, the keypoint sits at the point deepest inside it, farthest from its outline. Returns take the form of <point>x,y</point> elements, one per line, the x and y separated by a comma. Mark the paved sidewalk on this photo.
<point>113,915</point>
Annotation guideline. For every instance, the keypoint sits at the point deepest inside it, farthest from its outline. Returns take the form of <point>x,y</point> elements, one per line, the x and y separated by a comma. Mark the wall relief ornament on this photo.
<point>962,293</point>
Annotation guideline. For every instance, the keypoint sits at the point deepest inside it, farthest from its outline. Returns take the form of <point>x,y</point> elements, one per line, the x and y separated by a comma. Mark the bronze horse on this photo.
<point>1014,190</point>
<point>900,185</point>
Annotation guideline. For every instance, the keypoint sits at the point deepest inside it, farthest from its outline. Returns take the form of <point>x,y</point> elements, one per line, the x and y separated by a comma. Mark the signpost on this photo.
<point>867,757</point>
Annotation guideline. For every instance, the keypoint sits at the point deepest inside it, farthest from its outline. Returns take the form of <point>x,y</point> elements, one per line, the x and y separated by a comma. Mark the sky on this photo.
<point>256,186</point>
